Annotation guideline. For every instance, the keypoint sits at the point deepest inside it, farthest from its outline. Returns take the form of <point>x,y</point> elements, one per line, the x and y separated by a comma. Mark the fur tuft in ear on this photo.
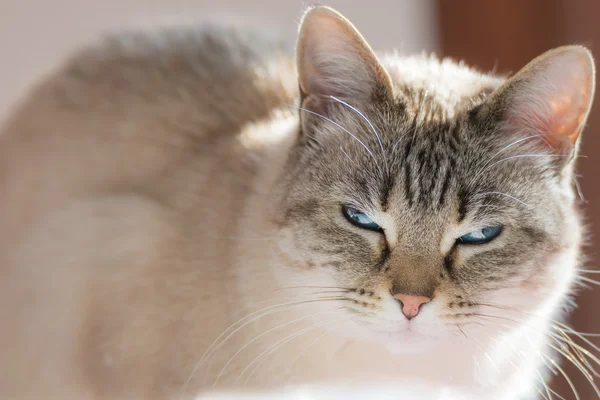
<point>551,97</point>
<point>334,60</point>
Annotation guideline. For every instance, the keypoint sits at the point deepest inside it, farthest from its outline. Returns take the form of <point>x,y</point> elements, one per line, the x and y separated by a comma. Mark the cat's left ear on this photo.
<point>551,98</point>
<point>333,59</point>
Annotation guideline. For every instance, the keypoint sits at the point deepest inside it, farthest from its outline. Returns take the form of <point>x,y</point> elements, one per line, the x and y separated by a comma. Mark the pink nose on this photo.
<point>411,304</point>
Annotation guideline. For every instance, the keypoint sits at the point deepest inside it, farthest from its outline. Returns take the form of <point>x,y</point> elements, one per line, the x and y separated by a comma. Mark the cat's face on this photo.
<point>428,196</point>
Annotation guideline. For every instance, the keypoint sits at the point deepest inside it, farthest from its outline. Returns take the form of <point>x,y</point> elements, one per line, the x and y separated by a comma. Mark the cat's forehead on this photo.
<point>427,164</point>
<point>418,151</point>
<point>445,85</point>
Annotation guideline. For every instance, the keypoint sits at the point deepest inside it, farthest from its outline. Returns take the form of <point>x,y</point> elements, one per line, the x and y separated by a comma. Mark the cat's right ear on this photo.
<point>549,99</point>
<point>333,59</point>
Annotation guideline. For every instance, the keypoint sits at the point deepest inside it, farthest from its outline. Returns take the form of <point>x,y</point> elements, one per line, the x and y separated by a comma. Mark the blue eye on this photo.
<point>481,236</point>
<point>360,219</point>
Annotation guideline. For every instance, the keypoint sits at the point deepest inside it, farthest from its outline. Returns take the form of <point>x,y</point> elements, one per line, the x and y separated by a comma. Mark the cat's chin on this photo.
<point>399,341</point>
<point>400,348</point>
<point>406,342</point>
<point>397,337</point>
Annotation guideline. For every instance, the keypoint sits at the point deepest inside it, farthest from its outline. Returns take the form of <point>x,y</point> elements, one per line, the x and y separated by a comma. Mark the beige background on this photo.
<point>36,34</point>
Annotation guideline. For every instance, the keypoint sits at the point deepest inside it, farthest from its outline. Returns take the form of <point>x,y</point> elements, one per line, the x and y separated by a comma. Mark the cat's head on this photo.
<point>425,194</point>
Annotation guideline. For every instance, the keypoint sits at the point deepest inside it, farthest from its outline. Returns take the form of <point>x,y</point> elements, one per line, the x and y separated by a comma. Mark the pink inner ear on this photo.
<point>554,98</point>
<point>570,112</point>
<point>567,115</point>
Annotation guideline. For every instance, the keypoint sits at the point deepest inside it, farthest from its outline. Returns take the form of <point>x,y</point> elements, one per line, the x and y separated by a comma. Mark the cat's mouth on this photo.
<point>408,333</point>
<point>407,341</point>
<point>400,336</point>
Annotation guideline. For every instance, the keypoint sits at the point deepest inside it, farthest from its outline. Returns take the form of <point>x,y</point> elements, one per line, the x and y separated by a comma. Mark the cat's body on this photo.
<point>146,211</point>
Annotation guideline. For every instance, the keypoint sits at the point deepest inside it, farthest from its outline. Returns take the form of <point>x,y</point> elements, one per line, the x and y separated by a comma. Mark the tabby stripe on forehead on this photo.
<point>455,135</point>
<point>452,144</point>
<point>463,200</point>
<point>388,184</point>
<point>408,184</point>
<point>425,180</point>
<point>408,173</point>
<point>422,161</point>
<point>445,186</point>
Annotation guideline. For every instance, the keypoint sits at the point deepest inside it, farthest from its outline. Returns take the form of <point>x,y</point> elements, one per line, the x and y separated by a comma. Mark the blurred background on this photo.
<point>500,35</point>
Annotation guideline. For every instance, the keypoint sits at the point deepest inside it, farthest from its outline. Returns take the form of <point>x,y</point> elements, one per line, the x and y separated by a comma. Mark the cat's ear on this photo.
<point>551,98</point>
<point>333,59</point>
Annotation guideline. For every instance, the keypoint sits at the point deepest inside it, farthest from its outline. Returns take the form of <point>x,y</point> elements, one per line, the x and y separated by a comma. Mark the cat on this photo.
<point>193,210</point>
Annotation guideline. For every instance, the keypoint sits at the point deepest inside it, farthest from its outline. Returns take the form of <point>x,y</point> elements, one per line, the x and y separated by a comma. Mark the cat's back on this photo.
<point>213,76</point>
<point>225,75</point>
<point>103,168</point>
<point>127,109</point>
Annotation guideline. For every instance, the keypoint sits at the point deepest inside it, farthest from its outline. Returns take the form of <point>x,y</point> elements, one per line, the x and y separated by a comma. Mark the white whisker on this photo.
<point>565,342</point>
<point>523,356</point>
<point>339,126</point>
<point>363,117</point>
<point>270,350</point>
<point>502,194</point>
<point>258,337</point>
<point>555,364</point>
<point>557,324</point>
<point>346,154</point>
<point>588,280</point>
<point>305,349</point>
<point>396,145</point>
<point>214,346</point>
<point>512,144</point>
<point>580,355</point>
<point>527,156</point>
<point>491,159</point>
<point>476,370</point>
<point>489,164</point>
<point>481,347</point>
<point>552,361</point>
<point>578,189</point>
<point>579,366</point>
